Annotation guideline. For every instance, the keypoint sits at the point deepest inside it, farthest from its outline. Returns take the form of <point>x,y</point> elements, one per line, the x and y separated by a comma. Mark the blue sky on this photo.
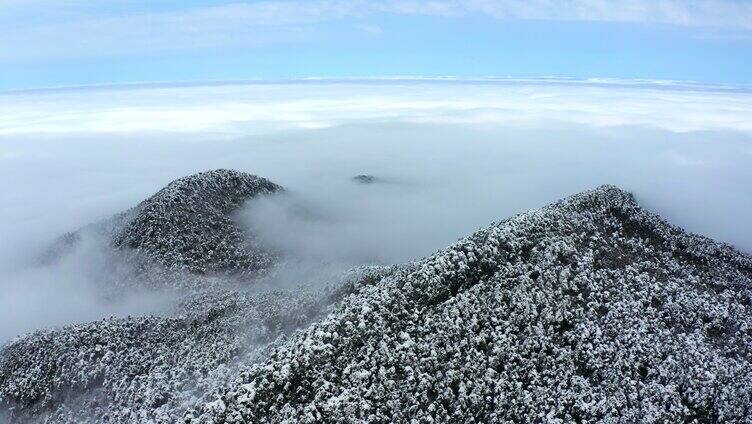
<point>64,42</point>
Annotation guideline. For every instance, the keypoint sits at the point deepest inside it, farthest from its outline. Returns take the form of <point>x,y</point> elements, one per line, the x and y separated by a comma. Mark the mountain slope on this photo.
<point>182,237</point>
<point>139,368</point>
<point>187,224</point>
<point>185,230</point>
<point>587,310</point>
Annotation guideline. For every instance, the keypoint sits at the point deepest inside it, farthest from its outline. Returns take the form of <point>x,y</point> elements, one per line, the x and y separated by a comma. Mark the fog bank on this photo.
<point>449,158</point>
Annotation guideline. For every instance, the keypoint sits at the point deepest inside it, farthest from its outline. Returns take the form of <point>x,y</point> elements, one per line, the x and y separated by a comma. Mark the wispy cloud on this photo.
<point>733,14</point>
<point>371,29</point>
<point>43,29</point>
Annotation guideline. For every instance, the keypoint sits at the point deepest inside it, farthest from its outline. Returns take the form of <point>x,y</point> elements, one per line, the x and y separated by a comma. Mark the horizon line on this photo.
<point>500,79</point>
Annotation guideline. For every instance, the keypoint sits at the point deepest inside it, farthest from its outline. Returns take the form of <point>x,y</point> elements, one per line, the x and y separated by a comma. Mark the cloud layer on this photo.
<point>450,155</point>
<point>260,107</point>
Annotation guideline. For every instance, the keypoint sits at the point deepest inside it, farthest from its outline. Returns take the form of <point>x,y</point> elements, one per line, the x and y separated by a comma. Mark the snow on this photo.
<point>188,227</point>
<point>587,310</point>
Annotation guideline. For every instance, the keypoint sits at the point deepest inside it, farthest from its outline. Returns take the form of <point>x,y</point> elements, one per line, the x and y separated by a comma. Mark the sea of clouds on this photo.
<point>450,156</point>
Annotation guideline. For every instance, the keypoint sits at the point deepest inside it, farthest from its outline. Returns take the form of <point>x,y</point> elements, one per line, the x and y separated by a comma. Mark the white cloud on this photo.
<point>88,30</point>
<point>452,155</point>
<point>674,12</point>
<point>371,29</point>
<point>262,107</point>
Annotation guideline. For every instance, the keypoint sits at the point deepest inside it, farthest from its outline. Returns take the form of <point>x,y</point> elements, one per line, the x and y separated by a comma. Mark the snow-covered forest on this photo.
<point>375,211</point>
<point>589,309</point>
<point>354,251</point>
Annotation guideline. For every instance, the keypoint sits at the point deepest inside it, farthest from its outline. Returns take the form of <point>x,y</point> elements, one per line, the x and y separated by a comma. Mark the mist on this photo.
<point>87,282</point>
<point>448,159</point>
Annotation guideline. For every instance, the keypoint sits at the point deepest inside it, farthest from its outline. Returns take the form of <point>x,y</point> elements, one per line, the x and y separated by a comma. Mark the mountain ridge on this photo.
<point>519,322</point>
<point>185,231</point>
<point>589,309</point>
